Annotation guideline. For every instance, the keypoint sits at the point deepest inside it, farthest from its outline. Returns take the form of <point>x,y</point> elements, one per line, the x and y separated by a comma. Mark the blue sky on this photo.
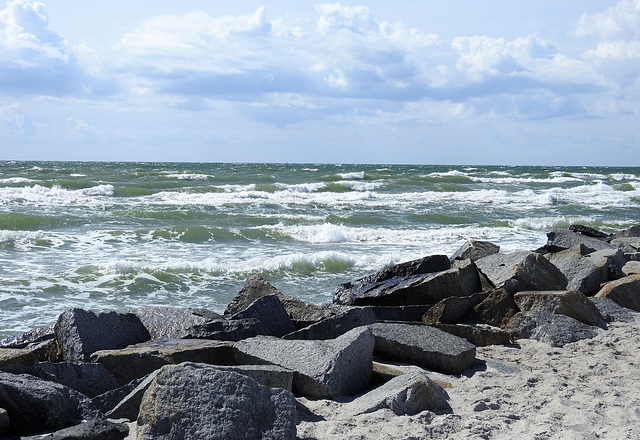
<point>429,82</point>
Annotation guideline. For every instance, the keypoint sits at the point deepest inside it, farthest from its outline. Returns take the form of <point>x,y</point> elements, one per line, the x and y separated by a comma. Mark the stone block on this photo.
<point>570,303</point>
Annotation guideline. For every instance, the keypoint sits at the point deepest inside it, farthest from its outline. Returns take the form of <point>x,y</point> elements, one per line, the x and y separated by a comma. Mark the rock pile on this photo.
<point>165,373</point>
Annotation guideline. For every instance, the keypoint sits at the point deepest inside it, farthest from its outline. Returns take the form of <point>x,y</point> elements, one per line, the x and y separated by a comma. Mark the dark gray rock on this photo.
<point>475,249</point>
<point>570,303</point>
<point>628,245</point>
<point>18,361</point>
<point>173,322</point>
<point>88,379</point>
<point>399,313</point>
<point>87,430</point>
<point>424,346</point>
<point>453,309</point>
<point>551,328</point>
<point>407,394</point>
<point>582,273</point>
<point>412,290</point>
<point>478,335</point>
<point>124,402</point>
<point>612,311</point>
<point>590,232</point>
<point>331,328</point>
<point>195,402</point>
<point>324,369</point>
<point>271,315</point>
<point>81,332</point>
<point>4,421</point>
<point>631,268</point>
<point>256,287</point>
<point>496,309</point>
<point>268,375</point>
<point>25,339</point>
<point>625,292</point>
<point>531,270</point>
<point>35,405</point>
<point>225,329</point>
<point>561,239</point>
<point>633,231</point>
<point>138,360</point>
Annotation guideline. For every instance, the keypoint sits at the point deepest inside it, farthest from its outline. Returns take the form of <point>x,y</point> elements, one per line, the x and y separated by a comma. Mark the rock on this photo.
<point>271,315</point>
<point>407,394</point>
<point>612,311</point>
<point>18,361</point>
<point>25,339</point>
<point>191,402</point>
<point>496,309</point>
<point>411,290</point>
<point>172,322</point>
<point>561,239</point>
<point>474,250</point>
<point>324,369</point>
<point>81,332</point>
<point>589,232</point>
<point>633,231</point>
<point>268,375</point>
<point>141,359</point>
<point>611,260</point>
<point>124,402</point>
<point>453,309</point>
<point>478,335</point>
<point>35,405</point>
<point>88,379</point>
<point>4,421</point>
<point>557,330</point>
<point>335,326</point>
<point>423,346</point>
<point>399,313</point>
<point>531,270</point>
<point>87,430</point>
<point>625,291</point>
<point>428,264</point>
<point>631,268</point>
<point>628,245</point>
<point>225,329</point>
<point>582,272</point>
<point>570,303</point>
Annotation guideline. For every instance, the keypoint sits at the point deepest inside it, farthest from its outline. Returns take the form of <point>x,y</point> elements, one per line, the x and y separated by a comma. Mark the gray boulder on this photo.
<point>474,250</point>
<point>399,313</point>
<point>556,330</point>
<point>453,309</point>
<point>172,322</point>
<point>423,346</point>
<point>138,360</point>
<point>331,328</point>
<point>625,291</point>
<point>631,268</point>
<point>323,369</point>
<point>271,315</point>
<point>194,402</point>
<point>4,421</point>
<point>88,379</point>
<point>561,239</point>
<point>87,430</point>
<point>124,402</point>
<point>479,335</point>
<point>407,394</point>
<point>582,273</point>
<point>82,332</point>
<point>496,309</point>
<point>35,405</point>
<point>630,246</point>
<point>18,361</point>
<point>633,231</point>
<point>612,311</point>
<point>531,270</point>
<point>411,290</point>
<point>570,303</point>
<point>224,329</point>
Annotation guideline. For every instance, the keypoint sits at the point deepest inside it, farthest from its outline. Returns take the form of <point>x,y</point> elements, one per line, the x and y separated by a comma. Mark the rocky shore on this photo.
<point>533,344</point>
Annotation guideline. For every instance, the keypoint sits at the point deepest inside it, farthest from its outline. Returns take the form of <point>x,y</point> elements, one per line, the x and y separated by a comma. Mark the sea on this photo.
<point>121,235</point>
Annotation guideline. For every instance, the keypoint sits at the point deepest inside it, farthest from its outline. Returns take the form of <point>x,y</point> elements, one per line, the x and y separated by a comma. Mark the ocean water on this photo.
<point>116,236</point>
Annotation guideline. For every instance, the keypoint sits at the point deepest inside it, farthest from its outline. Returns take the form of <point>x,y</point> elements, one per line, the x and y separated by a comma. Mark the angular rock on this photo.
<point>531,270</point>
<point>225,329</point>
<point>88,379</point>
<point>496,309</point>
<point>631,268</point>
<point>453,309</point>
<point>399,313</point>
<point>412,290</point>
<point>423,346</point>
<point>611,260</point>
<point>633,231</point>
<point>478,335</point>
<point>407,394</point>
<point>612,311</point>
<point>87,430</point>
<point>141,359</point>
<point>324,369</point>
<point>625,291</point>
<point>256,287</point>
<point>335,326</point>
<point>554,329</point>
<point>35,405</point>
<point>589,232</point>
<point>475,249</point>
<point>561,239</point>
<point>630,246</point>
<point>570,303</point>
<point>124,402</point>
<point>81,332</point>
<point>271,315</point>
<point>268,375</point>
<point>583,273</point>
<point>25,339</point>
<point>18,361</point>
<point>196,402</point>
<point>4,421</point>
<point>428,264</point>
<point>173,322</point>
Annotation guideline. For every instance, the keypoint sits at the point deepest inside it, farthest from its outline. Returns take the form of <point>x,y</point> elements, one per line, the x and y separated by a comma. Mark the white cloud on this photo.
<point>621,21</point>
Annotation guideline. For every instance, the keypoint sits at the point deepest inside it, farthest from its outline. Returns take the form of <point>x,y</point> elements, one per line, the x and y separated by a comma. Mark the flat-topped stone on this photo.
<point>625,291</point>
<point>570,303</point>
<point>530,269</point>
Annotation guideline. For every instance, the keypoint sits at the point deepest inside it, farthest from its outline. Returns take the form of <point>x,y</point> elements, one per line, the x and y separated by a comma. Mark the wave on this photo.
<point>189,176</point>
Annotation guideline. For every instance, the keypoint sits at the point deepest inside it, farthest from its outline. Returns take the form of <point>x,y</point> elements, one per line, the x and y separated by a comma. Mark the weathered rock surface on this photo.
<point>474,250</point>
<point>631,268</point>
<point>399,313</point>
<point>124,402</point>
<point>583,273</point>
<point>141,359</point>
<point>544,326</point>
<point>87,430</point>
<point>194,402</point>
<point>612,311</point>
<point>496,309</point>
<point>173,322</point>
<point>35,405</point>
<point>271,315</point>
<point>531,270</point>
<point>625,291</point>
<point>324,369</point>
<point>590,232</point>
<point>479,335</point>
<point>82,332</point>
<point>225,329</point>
<point>561,239</point>
<point>570,303</point>
<point>18,361</point>
<point>453,309</point>
<point>423,346</point>
<point>4,421</point>
<point>88,379</point>
<point>416,289</point>
<point>407,394</point>
<point>331,328</point>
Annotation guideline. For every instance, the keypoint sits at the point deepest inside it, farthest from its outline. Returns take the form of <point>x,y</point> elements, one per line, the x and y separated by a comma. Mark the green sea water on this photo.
<point>116,236</point>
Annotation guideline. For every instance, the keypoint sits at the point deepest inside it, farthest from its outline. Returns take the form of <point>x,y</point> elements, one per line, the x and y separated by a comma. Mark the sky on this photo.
<point>418,82</point>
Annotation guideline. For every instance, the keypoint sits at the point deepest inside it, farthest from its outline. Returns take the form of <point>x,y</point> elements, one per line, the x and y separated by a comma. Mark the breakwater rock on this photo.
<point>397,350</point>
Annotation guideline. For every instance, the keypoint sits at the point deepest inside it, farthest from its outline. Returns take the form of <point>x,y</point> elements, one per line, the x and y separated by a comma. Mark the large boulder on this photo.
<point>138,360</point>
<point>88,379</point>
<point>423,346</point>
<point>453,309</point>
<point>554,329</point>
<point>612,311</point>
<point>172,322</point>
<point>18,361</point>
<point>35,405</point>
<point>87,430</point>
<point>531,270</point>
<point>124,402</point>
<point>224,329</point>
<point>561,239</point>
<point>82,332</point>
<point>479,335</point>
<point>584,272</point>
<point>271,315</point>
<point>496,309</point>
<point>570,303</point>
<point>334,326</point>
<point>428,288</point>
<point>40,341</point>
<point>474,250</point>
<point>324,369</point>
<point>625,291</point>
<point>194,402</point>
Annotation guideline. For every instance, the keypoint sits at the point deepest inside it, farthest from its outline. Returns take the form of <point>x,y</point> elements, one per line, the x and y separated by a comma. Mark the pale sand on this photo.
<point>585,390</point>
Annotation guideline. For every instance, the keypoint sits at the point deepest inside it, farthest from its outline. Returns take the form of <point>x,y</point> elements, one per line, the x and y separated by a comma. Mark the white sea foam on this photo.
<point>189,176</point>
<point>352,176</point>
